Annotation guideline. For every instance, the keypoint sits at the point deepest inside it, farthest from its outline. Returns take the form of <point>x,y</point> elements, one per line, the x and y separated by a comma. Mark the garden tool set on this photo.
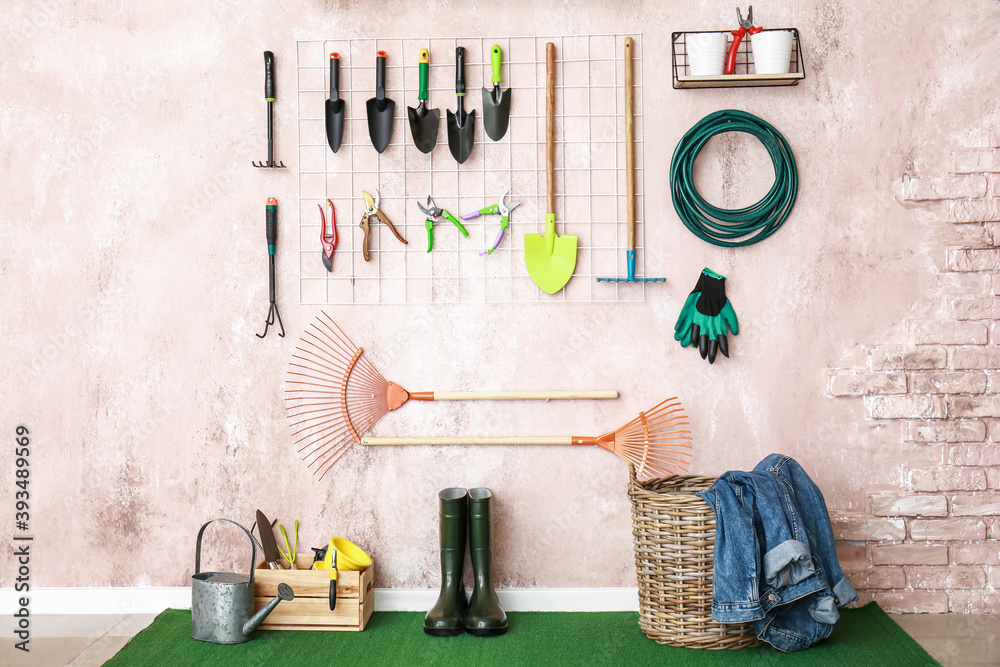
<point>328,241</point>
<point>271,231</point>
<point>374,214</point>
<point>334,394</point>
<point>630,178</point>
<point>551,259</point>
<point>381,109</point>
<point>500,209</point>
<point>496,102</point>
<point>335,106</point>
<point>434,214</point>
<point>461,123</point>
<point>423,121</point>
<point>269,95</point>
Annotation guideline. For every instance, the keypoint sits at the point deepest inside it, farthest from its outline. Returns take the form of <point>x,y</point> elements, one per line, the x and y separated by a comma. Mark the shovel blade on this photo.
<point>550,259</point>
<point>496,112</point>
<point>381,113</point>
<point>461,137</point>
<point>335,124</point>
<point>424,124</point>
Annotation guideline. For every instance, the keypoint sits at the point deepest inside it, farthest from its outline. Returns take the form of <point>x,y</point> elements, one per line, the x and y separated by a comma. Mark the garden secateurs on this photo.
<point>434,214</point>
<point>329,241</point>
<point>372,212</point>
<point>746,27</point>
<point>497,209</point>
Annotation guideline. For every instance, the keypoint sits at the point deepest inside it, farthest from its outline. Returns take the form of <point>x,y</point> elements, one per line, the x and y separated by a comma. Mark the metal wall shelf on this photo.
<point>744,75</point>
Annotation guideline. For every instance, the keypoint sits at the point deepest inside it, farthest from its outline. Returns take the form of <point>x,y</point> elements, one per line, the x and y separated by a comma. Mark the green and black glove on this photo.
<point>705,317</point>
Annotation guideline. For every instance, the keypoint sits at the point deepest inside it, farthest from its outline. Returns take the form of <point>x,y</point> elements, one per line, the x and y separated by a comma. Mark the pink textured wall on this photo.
<point>134,279</point>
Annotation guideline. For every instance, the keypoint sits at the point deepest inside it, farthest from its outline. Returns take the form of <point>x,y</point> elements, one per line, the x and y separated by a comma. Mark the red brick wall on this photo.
<point>932,546</point>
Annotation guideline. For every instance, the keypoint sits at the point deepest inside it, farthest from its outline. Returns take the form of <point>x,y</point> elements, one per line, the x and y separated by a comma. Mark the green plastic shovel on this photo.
<point>550,259</point>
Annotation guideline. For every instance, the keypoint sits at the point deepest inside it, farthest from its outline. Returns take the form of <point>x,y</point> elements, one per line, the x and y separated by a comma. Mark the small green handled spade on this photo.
<point>496,102</point>
<point>424,122</point>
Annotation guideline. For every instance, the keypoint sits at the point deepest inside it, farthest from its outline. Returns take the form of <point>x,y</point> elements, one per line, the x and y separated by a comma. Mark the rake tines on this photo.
<point>655,440</point>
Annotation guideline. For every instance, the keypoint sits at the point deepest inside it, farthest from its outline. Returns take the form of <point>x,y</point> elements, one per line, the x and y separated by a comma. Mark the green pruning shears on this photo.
<point>434,214</point>
<point>289,551</point>
<point>706,316</point>
<point>504,212</point>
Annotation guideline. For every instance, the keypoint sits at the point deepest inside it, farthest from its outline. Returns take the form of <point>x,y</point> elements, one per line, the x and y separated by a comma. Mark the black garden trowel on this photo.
<point>496,102</point>
<point>424,122</point>
<point>334,106</point>
<point>381,109</point>
<point>461,124</point>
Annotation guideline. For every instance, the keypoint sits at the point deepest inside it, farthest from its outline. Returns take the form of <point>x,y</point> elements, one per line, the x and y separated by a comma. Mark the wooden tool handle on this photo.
<point>550,126</point>
<point>629,145</point>
<point>366,226</point>
<point>542,440</point>
<point>520,395</point>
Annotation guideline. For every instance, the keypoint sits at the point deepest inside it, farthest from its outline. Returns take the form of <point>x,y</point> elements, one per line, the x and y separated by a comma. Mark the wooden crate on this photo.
<point>310,610</point>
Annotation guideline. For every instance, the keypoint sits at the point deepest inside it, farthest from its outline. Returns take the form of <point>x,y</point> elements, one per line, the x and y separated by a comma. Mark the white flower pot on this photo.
<point>772,51</point>
<point>706,52</point>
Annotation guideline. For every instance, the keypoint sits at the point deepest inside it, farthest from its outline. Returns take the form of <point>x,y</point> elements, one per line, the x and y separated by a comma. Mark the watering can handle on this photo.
<point>253,546</point>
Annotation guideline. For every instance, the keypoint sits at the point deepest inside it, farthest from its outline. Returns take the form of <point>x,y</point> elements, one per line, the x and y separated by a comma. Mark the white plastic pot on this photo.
<point>706,52</point>
<point>772,51</point>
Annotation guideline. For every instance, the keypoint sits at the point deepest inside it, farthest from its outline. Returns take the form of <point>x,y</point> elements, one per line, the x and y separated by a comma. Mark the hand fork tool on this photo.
<point>329,242</point>
<point>372,212</point>
<point>271,230</point>
<point>504,212</point>
<point>738,35</point>
<point>434,214</point>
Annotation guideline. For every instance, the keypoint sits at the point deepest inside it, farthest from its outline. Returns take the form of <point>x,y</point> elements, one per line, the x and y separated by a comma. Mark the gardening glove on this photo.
<point>706,316</point>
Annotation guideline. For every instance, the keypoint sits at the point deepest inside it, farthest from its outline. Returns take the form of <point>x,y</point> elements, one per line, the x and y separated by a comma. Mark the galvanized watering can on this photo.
<point>222,602</point>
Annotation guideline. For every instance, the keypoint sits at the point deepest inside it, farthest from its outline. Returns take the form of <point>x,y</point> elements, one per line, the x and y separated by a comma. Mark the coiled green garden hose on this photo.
<point>732,228</point>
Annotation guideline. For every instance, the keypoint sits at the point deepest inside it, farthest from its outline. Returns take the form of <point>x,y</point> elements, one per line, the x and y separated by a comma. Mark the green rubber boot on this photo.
<point>485,618</point>
<point>447,617</point>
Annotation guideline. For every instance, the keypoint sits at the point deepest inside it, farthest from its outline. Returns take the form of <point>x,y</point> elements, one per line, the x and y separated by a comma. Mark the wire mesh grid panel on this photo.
<point>590,172</point>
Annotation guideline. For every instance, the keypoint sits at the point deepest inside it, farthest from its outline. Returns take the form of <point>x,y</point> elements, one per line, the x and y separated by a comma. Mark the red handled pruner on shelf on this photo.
<point>329,241</point>
<point>746,27</point>
<point>434,214</point>
<point>497,209</point>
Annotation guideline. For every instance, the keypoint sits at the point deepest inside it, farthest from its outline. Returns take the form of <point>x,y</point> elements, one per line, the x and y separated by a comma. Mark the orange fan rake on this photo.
<point>335,395</point>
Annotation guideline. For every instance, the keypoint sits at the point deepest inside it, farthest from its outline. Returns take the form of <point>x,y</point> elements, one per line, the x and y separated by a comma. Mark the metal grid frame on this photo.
<point>590,172</point>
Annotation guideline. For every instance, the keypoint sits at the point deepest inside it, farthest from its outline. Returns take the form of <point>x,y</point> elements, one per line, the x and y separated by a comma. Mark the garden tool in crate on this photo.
<point>434,214</point>
<point>500,209</point>
<point>222,602</point>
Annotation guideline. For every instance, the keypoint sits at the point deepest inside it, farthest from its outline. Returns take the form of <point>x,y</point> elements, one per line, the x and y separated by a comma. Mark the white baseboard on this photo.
<point>154,600</point>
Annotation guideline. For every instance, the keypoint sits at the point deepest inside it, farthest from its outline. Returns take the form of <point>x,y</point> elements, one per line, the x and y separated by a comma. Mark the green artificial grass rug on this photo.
<point>865,636</point>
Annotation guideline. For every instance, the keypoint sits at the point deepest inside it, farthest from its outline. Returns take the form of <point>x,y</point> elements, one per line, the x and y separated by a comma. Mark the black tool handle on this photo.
<point>334,77</point>
<point>271,226</point>
<point>460,70</point>
<point>380,75</point>
<point>269,76</point>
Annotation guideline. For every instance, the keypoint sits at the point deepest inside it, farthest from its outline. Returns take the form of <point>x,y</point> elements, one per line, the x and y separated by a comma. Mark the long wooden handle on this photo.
<point>520,395</point>
<point>550,126</point>
<point>629,145</point>
<point>541,440</point>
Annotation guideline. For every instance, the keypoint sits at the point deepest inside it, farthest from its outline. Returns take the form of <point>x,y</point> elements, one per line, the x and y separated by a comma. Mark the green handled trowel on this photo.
<point>496,102</point>
<point>550,259</point>
<point>424,122</point>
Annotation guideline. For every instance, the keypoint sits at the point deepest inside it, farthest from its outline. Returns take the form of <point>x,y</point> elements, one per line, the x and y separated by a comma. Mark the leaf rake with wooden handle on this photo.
<point>654,442</point>
<point>335,395</point>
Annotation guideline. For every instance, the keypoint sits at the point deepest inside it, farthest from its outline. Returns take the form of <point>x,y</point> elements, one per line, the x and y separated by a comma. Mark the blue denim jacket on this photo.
<point>775,559</point>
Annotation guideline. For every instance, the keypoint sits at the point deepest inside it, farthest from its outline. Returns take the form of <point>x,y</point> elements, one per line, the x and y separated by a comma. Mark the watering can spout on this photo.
<point>284,593</point>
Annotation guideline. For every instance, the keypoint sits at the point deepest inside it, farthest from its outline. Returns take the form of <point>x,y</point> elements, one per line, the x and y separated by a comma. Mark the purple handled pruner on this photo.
<point>503,211</point>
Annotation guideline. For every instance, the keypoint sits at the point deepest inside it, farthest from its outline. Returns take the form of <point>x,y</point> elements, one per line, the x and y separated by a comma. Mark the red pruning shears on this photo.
<point>738,35</point>
<point>329,241</point>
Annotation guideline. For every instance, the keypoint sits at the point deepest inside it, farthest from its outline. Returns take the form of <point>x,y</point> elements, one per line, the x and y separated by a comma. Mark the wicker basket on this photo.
<point>674,539</point>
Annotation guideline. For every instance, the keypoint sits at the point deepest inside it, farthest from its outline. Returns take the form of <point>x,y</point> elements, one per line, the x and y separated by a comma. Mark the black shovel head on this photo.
<point>461,137</point>
<point>381,113</point>
<point>424,124</point>
<point>496,112</point>
<point>335,123</point>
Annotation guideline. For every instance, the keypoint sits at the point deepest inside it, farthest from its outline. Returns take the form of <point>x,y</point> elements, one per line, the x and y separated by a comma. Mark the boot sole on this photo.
<point>444,632</point>
<point>486,632</point>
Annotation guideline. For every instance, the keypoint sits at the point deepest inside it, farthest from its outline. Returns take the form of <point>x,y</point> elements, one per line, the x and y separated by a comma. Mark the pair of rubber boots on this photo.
<point>465,513</point>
